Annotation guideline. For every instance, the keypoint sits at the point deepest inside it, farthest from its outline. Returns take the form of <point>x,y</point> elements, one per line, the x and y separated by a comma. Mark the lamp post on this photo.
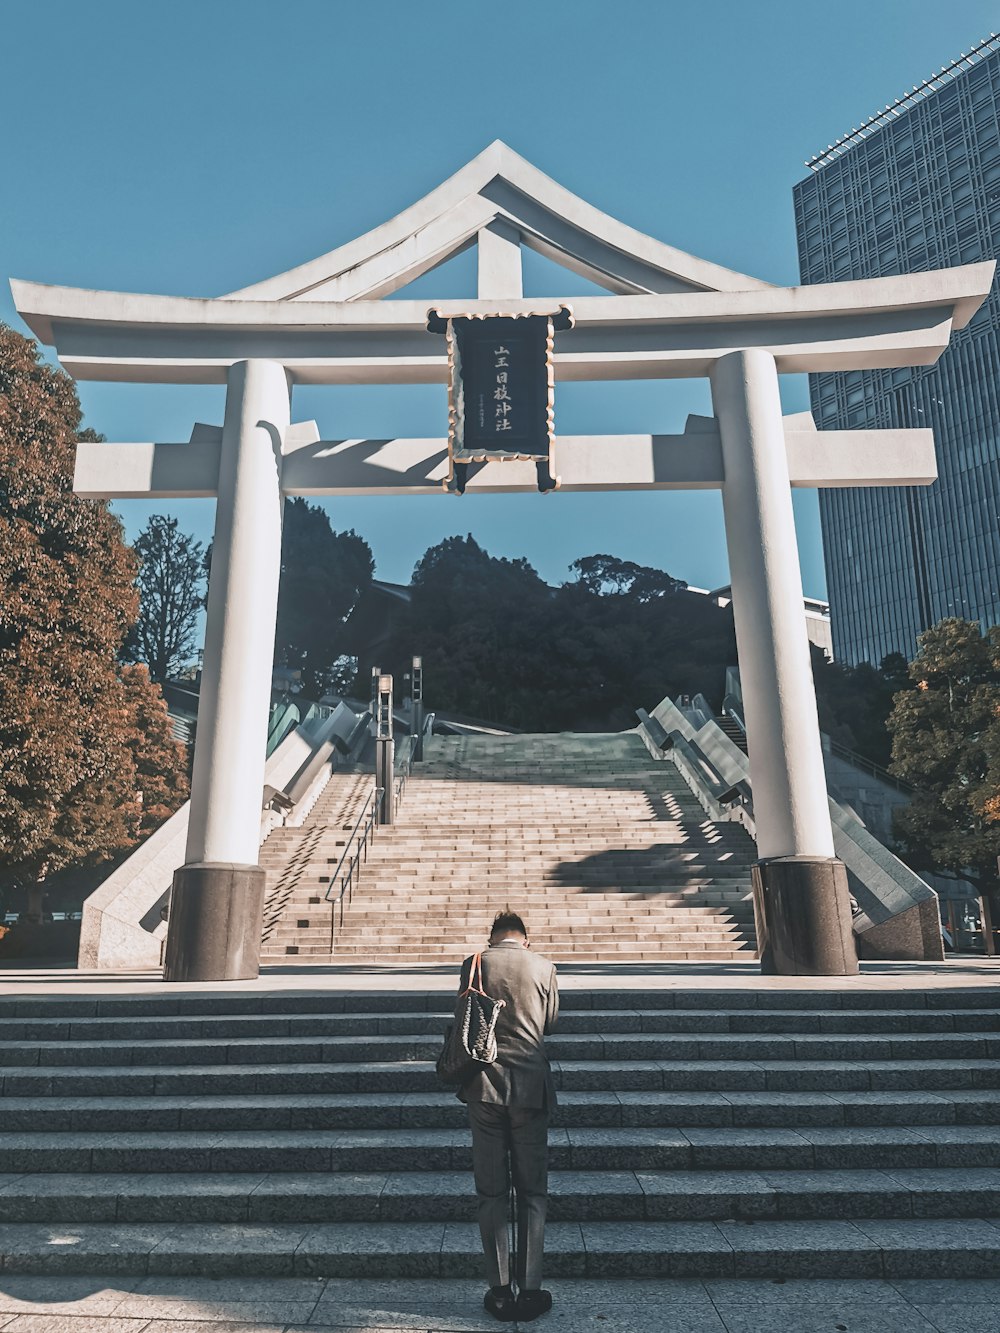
<point>417,714</point>
<point>384,776</point>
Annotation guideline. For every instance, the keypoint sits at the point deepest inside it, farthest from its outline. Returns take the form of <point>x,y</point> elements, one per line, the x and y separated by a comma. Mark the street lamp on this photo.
<point>417,713</point>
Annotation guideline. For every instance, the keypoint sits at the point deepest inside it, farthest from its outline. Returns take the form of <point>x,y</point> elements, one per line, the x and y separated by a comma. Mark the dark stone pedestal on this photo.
<point>802,910</point>
<point>385,777</point>
<point>215,923</point>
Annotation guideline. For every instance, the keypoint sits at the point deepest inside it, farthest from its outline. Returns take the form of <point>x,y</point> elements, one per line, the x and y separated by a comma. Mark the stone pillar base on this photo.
<point>802,910</point>
<point>215,923</point>
<point>385,777</point>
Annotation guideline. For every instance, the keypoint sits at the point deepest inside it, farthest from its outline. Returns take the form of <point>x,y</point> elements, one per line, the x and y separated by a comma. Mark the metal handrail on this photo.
<point>369,817</point>
<point>869,766</point>
<point>404,768</point>
<point>363,836</point>
<point>732,706</point>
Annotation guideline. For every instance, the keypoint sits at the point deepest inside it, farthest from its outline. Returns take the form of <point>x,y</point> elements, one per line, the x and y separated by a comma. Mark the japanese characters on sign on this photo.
<point>501,394</point>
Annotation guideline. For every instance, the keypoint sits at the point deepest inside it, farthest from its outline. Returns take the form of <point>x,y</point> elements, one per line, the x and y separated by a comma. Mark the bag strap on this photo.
<point>475,976</point>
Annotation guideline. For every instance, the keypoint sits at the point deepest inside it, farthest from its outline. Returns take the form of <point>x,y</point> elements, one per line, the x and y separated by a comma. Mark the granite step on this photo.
<point>651,999</point>
<point>434,1109</point>
<point>648,1047</point>
<point>401,1077</point>
<point>845,1248</point>
<point>605,1022</point>
<point>636,1148</point>
<point>447,1196</point>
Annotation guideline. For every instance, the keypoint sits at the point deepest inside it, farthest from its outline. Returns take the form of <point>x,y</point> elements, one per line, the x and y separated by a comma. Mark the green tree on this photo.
<point>477,621</point>
<point>605,575</point>
<point>171,596</point>
<point>322,575</point>
<point>500,644</point>
<point>854,702</point>
<point>68,720</point>
<point>946,743</point>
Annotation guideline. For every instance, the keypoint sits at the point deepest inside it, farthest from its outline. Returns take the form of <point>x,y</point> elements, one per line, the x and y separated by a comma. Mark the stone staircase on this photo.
<point>604,851</point>
<point>702,1132</point>
<point>731,728</point>
<point>292,856</point>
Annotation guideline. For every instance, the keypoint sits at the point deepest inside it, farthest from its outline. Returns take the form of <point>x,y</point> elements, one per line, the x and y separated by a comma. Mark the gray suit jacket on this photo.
<point>527,982</point>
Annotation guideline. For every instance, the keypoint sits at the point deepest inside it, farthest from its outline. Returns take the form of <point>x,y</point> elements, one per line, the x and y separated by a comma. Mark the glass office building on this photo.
<point>916,187</point>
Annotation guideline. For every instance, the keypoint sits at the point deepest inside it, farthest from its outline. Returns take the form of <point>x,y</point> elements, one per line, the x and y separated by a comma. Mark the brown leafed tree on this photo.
<point>160,764</point>
<point>71,761</point>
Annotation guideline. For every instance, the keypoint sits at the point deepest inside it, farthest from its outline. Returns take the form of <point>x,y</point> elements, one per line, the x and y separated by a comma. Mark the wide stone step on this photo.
<point>652,1046</point>
<point>448,1196</point>
<point>859,1248</point>
<point>604,1023</point>
<point>635,1148</point>
<point>373,934</point>
<point>695,917</point>
<point>373,896</point>
<point>438,1110</point>
<point>407,1076</point>
<point>306,999</point>
<point>367,957</point>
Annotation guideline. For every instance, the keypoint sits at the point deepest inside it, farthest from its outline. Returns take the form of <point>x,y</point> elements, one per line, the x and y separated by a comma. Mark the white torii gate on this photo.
<point>668,315</point>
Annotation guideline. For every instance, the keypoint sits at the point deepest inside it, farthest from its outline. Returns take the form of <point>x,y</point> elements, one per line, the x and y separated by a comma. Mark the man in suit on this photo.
<point>509,1106</point>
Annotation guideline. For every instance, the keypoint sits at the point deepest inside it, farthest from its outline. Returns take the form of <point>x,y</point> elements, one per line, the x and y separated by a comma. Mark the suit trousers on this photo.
<point>523,1133</point>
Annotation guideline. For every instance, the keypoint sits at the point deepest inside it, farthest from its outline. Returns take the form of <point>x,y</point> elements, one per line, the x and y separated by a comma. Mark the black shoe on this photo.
<point>500,1303</point>
<point>531,1304</point>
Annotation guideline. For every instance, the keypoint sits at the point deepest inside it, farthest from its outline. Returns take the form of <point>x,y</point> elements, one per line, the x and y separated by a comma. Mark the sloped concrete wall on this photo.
<point>122,926</point>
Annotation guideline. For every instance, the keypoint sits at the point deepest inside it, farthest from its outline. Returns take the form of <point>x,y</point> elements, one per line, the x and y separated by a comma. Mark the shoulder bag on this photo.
<point>470,1042</point>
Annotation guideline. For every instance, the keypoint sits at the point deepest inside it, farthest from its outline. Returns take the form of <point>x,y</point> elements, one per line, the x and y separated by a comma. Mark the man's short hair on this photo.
<point>506,922</point>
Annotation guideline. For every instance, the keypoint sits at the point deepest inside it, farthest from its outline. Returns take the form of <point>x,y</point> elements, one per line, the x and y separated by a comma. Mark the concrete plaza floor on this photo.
<point>30,1304</point>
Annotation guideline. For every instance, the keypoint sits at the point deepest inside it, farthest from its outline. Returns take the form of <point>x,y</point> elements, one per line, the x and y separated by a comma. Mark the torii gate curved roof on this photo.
<point>668,314</point>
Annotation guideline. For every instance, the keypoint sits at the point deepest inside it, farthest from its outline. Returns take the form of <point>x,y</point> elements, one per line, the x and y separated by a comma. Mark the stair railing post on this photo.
<point>384,755</point>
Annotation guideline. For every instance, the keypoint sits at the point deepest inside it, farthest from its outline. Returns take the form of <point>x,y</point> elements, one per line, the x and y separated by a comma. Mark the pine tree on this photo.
<point>69,719</point>
<point>171,596</point>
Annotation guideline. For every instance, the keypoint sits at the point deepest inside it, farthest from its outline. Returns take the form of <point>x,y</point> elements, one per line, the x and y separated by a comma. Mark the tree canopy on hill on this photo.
<point>322,575</point>
<point>855,701</point>
<point>500,644</point>
<point>81,736</point>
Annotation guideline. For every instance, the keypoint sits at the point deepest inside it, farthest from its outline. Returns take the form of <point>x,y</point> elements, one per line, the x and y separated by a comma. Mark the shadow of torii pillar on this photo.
<point>217,898</point>
<point>802,905</point>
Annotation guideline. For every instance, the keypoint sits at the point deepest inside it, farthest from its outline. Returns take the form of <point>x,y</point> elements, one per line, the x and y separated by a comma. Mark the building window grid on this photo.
<point>967,427</point>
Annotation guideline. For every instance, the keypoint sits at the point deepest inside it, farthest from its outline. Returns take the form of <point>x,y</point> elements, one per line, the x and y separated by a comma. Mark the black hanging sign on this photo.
<point>500,390</point>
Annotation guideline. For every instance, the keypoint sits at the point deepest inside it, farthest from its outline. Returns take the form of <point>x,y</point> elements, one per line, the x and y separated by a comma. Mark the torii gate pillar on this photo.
<point>217,899</point>
<point>802,903</point>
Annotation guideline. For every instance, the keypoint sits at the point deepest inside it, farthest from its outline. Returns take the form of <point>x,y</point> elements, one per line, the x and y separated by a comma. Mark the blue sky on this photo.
<point>193,148</point>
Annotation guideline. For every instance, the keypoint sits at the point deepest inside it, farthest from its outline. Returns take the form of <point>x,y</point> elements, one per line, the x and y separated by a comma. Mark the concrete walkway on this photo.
<point>287,1305</point>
